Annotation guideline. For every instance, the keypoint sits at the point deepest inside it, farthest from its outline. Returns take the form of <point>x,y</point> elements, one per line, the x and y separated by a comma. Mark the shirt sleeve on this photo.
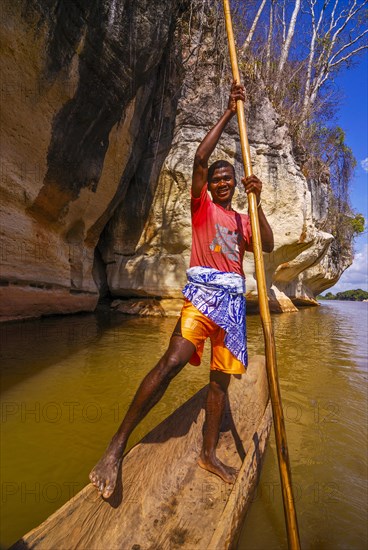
<point>199,203</point>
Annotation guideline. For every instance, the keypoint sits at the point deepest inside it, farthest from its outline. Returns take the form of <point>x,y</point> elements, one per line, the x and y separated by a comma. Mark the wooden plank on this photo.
<point>163,498</point>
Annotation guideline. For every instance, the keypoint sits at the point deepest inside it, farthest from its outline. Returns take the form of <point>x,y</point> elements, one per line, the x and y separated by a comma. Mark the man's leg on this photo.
<point>215,407</point>
<point>152,388</point>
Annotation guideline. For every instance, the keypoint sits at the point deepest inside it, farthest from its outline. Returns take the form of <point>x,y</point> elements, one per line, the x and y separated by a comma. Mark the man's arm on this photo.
<point>207,146</point>
<point>253,184</point>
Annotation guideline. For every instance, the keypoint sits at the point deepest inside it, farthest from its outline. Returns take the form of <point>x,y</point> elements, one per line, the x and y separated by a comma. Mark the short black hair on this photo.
<point>218,164</point>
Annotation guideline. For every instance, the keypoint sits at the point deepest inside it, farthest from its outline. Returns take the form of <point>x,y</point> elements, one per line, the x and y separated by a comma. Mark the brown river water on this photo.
<point>66,381</point>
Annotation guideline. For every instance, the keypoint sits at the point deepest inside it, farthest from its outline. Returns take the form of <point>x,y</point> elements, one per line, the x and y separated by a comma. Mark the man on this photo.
<point>214,305</point>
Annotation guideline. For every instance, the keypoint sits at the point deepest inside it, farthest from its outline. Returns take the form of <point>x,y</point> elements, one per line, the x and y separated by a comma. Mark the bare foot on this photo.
<point>214,465</point>
<point>104,474</point>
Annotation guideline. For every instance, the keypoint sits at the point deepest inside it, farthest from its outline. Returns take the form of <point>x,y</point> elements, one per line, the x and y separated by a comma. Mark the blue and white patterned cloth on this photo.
<point>220,297</point>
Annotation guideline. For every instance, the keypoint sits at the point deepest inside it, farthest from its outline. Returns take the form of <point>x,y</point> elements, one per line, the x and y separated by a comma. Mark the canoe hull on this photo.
<point>163,498</point>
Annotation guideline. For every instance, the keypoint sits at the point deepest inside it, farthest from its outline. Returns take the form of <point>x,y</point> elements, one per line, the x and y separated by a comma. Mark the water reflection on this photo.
<point>67,381</point>
<point>322,363</point>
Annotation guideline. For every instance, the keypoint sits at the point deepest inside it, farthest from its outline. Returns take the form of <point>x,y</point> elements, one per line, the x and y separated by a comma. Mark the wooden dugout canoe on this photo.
<point>164,500</point>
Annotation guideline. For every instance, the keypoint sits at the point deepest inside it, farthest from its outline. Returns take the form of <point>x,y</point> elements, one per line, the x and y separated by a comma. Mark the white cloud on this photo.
<point>356,276</point>
<point>364,164</point>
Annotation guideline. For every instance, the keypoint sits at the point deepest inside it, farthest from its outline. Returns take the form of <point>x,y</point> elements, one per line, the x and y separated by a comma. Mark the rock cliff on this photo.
<point>81,100</point>
<point>104,103</point>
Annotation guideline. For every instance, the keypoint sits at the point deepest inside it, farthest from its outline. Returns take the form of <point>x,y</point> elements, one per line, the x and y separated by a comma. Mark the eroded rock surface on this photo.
<point>154,264</point>
<point>104,103</point>
<point>82,89</point>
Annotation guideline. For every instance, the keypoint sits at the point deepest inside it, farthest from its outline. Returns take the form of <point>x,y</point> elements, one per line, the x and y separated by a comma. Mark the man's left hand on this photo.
<point>253,185</point>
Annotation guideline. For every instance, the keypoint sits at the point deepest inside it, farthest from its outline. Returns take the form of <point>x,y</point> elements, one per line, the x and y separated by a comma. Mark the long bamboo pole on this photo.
<point>270,350</point>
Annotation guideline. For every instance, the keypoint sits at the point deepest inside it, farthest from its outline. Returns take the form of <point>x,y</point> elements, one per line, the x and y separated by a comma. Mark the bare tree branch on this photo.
<point>336,33</point>
<point>350,54</point>
<point>269,40</point>
<point>248,40</point>
<point>343,48</point>
<point>315,30</point>
<point>327,60</point>
<point>286,47</point>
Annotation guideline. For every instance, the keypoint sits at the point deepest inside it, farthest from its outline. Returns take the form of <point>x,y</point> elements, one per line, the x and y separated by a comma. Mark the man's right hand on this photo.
<point>237,92</point>
<point>208,144</point>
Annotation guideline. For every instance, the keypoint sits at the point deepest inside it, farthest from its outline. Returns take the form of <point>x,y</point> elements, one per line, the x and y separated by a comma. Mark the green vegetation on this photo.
<point>358,224</point>
<point>296,49</point>
<point>357,295</point>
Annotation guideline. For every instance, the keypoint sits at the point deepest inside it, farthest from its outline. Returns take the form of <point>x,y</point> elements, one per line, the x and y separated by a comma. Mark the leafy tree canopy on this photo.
<point>357,295</point>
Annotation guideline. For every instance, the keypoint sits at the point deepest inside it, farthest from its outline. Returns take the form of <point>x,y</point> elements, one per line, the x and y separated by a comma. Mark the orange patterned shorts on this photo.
<point>196,327</point>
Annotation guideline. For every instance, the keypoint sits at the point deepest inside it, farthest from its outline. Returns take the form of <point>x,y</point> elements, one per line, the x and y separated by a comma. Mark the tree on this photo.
<point>358,224</point>
<point>338,34</point>
<point>302,44</point>
<point>356,295</point>
<point>252,29</point>
<point>297,47</point>
<point>286,45</point>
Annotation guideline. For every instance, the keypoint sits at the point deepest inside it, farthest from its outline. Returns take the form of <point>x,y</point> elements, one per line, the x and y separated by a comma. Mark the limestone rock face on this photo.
<point>155,263</point>
<point>82,83</point>
<point>103,106</point>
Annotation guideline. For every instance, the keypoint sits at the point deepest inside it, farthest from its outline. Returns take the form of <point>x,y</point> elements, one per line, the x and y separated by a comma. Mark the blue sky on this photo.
<point>353,118</point>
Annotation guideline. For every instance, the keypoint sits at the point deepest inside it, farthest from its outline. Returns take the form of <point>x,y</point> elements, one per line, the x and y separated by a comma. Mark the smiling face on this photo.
<point>222,186</point>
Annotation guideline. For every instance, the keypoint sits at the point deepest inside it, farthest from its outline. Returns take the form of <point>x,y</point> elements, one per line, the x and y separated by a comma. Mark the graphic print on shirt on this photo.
<point>226,242</point>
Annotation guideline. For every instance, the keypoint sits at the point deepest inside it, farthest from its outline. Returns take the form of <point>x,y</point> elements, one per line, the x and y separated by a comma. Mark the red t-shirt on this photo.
<point>219,237</point>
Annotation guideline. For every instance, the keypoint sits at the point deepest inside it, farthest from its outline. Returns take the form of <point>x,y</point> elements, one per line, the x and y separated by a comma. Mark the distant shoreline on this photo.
<point>357,295</point>
<point>322,302</point>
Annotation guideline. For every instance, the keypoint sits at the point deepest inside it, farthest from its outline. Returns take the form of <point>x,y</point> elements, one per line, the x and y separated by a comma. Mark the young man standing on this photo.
<point>214,306</point>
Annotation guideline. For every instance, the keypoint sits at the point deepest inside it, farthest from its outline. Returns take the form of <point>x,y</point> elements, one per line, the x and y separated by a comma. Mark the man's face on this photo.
<point>222,186</point>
